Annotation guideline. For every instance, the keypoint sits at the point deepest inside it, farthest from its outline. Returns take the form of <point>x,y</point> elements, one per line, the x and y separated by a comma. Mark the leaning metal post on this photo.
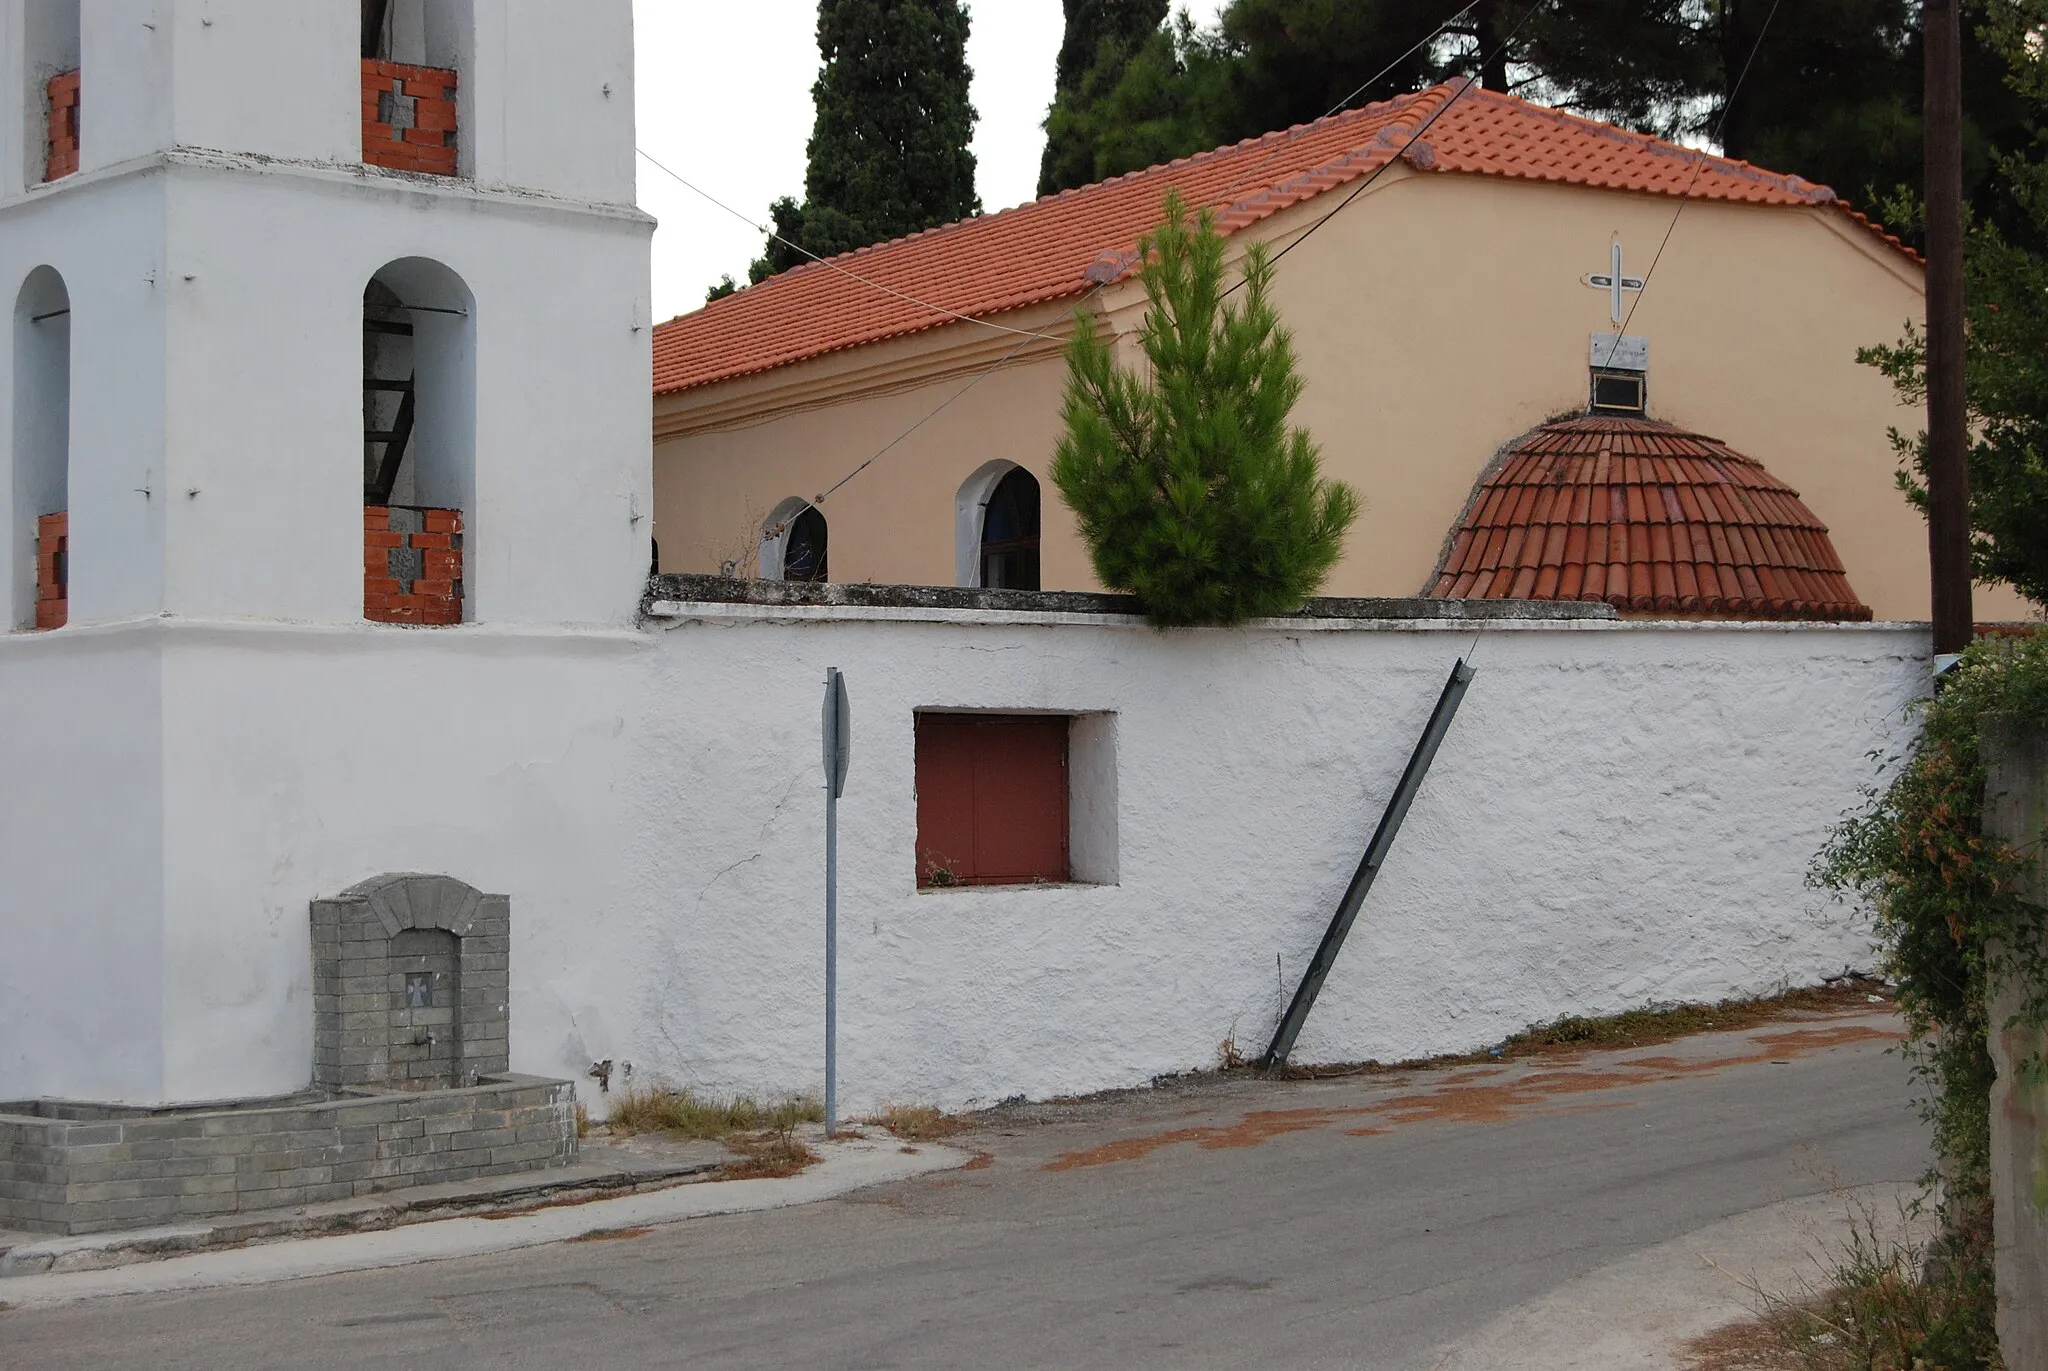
<point>1368,868</point>
<point>838,737</point>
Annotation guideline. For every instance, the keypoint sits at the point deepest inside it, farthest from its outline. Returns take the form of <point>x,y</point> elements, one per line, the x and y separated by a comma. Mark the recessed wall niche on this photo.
<point>411,979</point>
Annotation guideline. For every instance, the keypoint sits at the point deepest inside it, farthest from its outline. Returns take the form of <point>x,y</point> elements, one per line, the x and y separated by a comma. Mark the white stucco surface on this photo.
<point>215,246</point>
<point>1622,813</point>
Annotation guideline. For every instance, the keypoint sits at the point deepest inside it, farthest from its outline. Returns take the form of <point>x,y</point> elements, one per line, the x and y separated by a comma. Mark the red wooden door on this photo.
<point>991,799</point>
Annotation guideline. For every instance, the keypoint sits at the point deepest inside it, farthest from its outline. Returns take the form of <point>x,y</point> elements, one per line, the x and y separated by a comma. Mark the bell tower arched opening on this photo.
<point>39,569</point>
<point>419,443</point>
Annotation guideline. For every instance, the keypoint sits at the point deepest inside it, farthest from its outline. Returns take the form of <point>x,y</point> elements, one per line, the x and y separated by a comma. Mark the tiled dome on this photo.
<point>1649,518</point>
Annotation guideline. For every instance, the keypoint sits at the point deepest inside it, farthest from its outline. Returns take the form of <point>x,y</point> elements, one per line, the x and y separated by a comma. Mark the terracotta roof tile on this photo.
<point>1062,246</point>
<point>1685,525</point>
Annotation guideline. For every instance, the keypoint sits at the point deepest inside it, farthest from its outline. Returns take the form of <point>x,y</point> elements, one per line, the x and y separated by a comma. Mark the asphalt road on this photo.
<point>1362,1222</point>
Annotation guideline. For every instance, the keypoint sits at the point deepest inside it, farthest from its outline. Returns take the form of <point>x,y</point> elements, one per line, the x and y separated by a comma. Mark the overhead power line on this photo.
<point>828,262</point>
<point>1442,28</point>
<point>1421,129</point>
<point>1700,162</point>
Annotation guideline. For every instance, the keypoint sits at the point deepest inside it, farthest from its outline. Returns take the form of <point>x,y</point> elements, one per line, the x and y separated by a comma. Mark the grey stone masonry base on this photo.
<point>79,1168</point>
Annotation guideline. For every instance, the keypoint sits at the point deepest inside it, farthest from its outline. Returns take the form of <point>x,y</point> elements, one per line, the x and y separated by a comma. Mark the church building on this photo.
<point>1459,265</point>
<point>365,806</point>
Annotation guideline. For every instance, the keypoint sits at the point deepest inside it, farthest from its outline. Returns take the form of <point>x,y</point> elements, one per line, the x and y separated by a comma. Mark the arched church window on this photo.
<point>793,544</point>
<point>40,534</point>
<point>419,443</point>
<point>1009,534</point>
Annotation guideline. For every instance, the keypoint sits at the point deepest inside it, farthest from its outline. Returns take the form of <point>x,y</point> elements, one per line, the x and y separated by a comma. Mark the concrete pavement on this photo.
<point>1415,1220</point>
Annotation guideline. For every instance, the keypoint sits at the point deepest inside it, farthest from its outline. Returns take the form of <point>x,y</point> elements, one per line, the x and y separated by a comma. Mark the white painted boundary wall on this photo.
<point>1623,813</point>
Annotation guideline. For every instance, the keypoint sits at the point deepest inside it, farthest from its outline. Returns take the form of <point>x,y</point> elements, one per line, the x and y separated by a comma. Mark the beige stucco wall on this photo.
<point>1436,318</point>
<point>893,523</point>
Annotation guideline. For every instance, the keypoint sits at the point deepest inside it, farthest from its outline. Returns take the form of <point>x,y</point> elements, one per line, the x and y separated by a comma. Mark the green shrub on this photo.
<point>1949,926</point>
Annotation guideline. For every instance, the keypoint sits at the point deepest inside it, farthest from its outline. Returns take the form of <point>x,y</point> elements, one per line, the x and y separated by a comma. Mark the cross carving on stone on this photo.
<point>1614,283</point>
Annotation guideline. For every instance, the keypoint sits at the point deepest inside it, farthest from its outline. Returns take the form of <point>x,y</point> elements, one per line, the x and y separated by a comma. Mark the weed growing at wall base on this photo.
<point>684,1113</point>
<point>1878,1304</point>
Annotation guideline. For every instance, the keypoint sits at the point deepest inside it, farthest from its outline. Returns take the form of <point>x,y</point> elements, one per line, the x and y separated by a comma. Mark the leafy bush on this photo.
<point>1950,926</point>
<point>1192,491</point>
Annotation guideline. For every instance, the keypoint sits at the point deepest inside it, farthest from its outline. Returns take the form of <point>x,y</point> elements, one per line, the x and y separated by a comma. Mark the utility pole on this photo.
<point>1948,467</point>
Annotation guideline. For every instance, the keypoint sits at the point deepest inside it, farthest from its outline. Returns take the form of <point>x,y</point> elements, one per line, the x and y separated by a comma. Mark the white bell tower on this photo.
<point>330,323</point>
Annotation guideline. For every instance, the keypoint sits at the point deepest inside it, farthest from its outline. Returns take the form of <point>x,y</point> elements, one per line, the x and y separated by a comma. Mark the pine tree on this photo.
<point>889,149</point>
<point>1191,489</point>
<point>1101,38</point>
<point>1833,92</point>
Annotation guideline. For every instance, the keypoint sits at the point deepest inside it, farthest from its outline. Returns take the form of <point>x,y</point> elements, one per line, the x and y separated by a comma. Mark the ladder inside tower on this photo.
<point>387,423</point>
<point>374,33</point>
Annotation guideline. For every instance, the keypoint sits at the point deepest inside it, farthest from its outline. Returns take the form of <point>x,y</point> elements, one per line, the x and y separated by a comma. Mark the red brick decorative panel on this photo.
<point>408,117</point>
<point>1651,519</point>
<point>63,156</point>
<point>53,571</point>
<point>991,799</point>
<point>412,565</point>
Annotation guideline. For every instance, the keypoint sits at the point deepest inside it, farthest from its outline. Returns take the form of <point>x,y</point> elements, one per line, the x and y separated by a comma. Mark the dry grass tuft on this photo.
<point>918,1122</point>
<point>1753,1345</point>
<point>766,1155</point>
<point>1887,1305</point>
<point>1663,1023</point>
<point>683,1113</point>
<point>582,1120</point>
<point>1645,1027</point>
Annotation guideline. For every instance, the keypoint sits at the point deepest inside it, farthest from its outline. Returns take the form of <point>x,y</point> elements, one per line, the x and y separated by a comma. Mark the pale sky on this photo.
<point>725,100</point>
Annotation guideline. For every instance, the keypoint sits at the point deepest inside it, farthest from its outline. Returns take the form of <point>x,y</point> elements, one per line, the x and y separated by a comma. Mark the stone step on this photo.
<point>602,1172</point>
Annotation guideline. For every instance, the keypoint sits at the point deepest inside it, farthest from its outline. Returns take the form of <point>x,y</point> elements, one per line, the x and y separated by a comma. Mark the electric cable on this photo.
<point>832,263</point>
<point>1434,34</point>
<point>1291,134</point>
<point>1421,129</point>
<point>1699,164</point>
<point>1221,198</point>
<point>979,377</point>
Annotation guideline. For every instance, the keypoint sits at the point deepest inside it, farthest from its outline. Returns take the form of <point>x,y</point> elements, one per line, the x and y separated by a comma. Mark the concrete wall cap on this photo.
<point>695,589</point>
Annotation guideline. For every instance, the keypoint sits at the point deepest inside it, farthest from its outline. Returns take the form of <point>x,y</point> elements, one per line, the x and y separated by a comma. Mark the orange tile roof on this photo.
<point>1646,517</point>
<point>1063,245</point>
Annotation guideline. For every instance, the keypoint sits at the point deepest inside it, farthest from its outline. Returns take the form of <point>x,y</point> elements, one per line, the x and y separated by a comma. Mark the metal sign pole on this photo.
<point>838,731</point>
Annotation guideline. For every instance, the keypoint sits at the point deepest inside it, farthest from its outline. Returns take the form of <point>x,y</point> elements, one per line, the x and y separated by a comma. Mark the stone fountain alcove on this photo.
<point>411,984</point>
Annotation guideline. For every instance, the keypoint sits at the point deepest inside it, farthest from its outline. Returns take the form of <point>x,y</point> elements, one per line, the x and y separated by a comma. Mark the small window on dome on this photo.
<point>1619,392</point>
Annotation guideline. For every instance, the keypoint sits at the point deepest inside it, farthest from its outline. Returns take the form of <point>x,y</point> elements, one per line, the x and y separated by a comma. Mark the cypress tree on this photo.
<point>888,151</point>
<point>1101,38</point>
<point>1191,489</point>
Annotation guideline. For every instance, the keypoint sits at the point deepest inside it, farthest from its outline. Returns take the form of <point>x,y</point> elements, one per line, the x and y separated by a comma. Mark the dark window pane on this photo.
<point>1009,534</point>
<point>803,548</point>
